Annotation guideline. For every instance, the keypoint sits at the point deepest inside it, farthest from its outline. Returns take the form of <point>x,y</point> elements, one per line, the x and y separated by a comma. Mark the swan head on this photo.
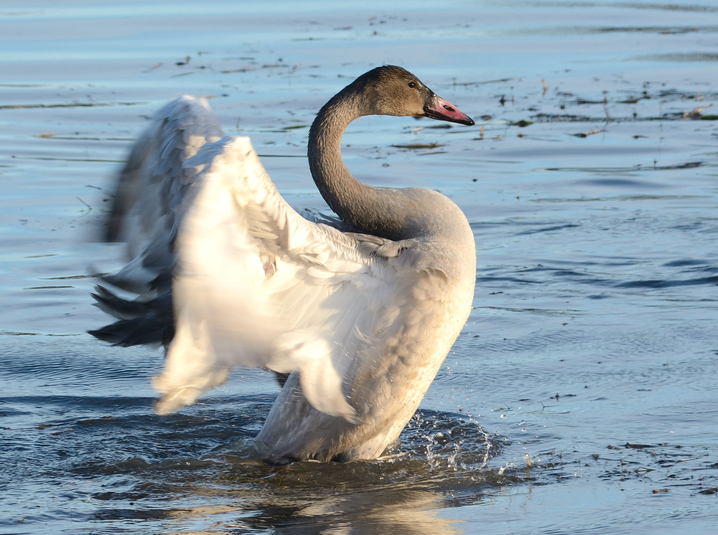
<point>392,90</point>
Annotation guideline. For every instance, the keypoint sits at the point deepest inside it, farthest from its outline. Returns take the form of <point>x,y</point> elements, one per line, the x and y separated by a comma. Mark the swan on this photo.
<point>354,315</point>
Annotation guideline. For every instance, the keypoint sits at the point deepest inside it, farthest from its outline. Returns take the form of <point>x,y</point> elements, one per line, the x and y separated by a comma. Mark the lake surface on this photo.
<point>582,395</point>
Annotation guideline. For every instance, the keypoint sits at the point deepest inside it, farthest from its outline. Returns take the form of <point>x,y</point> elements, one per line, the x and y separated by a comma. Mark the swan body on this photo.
<point>227,274</point>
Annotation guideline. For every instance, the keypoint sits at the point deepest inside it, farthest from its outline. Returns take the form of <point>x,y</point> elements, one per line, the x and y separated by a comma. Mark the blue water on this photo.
<point>581,397</point>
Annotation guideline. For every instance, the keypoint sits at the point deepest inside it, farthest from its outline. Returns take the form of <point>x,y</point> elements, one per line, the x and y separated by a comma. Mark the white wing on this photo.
<point>258,285</point>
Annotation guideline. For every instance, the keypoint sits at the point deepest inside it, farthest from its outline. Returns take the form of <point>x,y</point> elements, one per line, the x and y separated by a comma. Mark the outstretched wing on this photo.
<point>152,188</point>
<point>152,193</point>
<point>258,285</point>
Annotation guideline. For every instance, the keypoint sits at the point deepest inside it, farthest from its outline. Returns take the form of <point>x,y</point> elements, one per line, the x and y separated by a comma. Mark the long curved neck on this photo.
<point>378,211</point>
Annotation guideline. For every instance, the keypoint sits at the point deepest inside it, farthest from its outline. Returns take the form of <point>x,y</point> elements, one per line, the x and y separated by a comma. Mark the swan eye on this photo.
<point>412,84</point>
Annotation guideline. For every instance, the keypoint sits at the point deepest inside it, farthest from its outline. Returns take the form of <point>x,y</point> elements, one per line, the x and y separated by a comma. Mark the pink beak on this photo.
<point>443,110</point>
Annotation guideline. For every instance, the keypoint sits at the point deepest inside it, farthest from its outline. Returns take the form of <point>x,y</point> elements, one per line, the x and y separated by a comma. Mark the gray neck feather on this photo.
<point>382,212</point>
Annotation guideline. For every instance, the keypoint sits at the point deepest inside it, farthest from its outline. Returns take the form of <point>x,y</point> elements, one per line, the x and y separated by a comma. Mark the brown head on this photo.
<point>392,90</point>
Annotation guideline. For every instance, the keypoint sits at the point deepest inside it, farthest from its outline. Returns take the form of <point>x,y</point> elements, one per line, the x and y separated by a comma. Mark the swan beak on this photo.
<point>443,110</point>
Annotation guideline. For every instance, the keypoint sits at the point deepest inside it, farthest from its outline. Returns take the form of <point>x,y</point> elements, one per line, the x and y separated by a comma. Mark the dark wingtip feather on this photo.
<point>140,322</point>
<point>117,306</point>
<point>134,332</point>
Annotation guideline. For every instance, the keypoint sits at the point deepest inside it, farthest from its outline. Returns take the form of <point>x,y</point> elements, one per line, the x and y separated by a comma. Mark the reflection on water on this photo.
<point>413,512</point>
<point>580,397</point>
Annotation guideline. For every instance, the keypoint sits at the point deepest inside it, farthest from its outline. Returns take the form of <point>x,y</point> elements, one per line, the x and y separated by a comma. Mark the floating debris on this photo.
<point>47,287</point>
<point>68,105</point>
<point>153,67</point>
<point>697,113</point>
<point>589,132</point>
<point>581,101</point>
<point>415,146</point>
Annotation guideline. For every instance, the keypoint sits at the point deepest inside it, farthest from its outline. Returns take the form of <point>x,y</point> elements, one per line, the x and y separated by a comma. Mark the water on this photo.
<point>581,397</point>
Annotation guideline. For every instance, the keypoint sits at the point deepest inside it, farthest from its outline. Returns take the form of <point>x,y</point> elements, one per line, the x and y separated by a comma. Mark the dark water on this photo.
<point>582,396</point>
